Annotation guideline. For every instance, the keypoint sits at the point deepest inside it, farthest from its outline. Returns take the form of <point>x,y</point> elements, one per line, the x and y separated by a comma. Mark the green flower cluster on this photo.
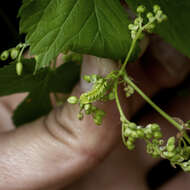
<point>177,152</point>
<point>139,24</point>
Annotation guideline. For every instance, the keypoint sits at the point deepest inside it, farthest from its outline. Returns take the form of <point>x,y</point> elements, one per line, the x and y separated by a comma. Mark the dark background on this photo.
<point>9,21</point>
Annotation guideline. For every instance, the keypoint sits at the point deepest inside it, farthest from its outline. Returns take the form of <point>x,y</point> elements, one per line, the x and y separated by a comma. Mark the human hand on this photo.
<point>57,149</point>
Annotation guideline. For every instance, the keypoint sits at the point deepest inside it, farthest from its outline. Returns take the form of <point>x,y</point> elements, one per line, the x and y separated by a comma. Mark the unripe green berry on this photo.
<point>170,148</point>
<point>156,8</point>
<point>140,133</point>
<point>155,127</point>
<point>14,53</point>
<point>134,134</point>
<point>138,21</point>
<point>87,107</point>
<point>133,27</point>
<point>111,96</point>
<point>132,125</point>
<point>141,9</point>
<point>4,55</point>
<point>98,120</point>
<point>72,100</point>
<point>149,15</point>
<point>171,141</point>
<point>100,113</point>
<point>130,145</point>
<point>127,132</point>
<point>80,116</point>
<point>19,68</point>
<point>157,135</point>
<point>87,78</point>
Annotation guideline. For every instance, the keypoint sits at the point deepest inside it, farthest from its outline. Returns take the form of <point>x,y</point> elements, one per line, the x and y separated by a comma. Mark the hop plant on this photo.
<point>175,149</point>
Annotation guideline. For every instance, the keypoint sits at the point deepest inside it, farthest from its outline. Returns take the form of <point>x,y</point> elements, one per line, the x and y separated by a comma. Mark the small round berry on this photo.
<point>157,135</point>
<point>72,100</point>
<point>80,116</point>
<point>141,9</point>
<point>111,96</point>
<point>14,53</point>
<point>4,55</point>
<point>156,8</point>
<point>87,78</point>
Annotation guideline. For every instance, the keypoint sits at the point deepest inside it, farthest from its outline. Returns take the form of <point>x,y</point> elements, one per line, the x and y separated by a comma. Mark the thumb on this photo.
<point>56,149</point>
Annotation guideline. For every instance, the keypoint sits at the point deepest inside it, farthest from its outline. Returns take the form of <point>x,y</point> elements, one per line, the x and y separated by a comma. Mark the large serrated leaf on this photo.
<point>98,27</point>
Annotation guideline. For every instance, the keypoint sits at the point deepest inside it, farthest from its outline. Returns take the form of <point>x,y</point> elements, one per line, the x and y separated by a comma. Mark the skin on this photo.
<point>59,152</point>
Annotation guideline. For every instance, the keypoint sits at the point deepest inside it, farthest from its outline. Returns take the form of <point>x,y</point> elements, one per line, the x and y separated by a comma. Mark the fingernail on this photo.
<point>95,65</point>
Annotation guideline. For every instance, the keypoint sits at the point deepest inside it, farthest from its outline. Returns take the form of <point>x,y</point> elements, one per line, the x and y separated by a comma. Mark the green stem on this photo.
<point>118,102</point>
<point>120,110</point>
<point>21,52</point>
<point>130,51</point>
<point>158,109</point>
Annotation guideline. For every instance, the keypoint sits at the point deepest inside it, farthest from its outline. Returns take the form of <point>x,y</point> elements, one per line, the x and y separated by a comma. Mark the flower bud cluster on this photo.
<point>132,132</point>
<point>139,25</point>
<point>129,90</point>
<point>88,109</point>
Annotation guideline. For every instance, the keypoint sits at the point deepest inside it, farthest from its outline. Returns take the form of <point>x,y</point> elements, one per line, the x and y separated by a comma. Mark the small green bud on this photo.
<point>155,127</point>
<point>149,15</point>
<point>100,113</point>
<point>87,107</point>
<point>72,100</point>
<point>94,108</point>
<point>87,78</point>
<point>80,116</point>
<point>127,132</point>
<point>4,55</point>
<point>134,134</point>
<point>131,139</point>
<point>156,8</point>
<point>140,133</point>
<point>150,27</point>
<point>133,27</point>
<point>132,125</point>
<point>19,68</point>
<point>170,148</point>
<point>14,53</point>
<point>138,21</point>
<point>171,141</point>
<point>98,120</point>
<point>157,135</point>
<point>133,34</point>
<point>141,9</point>
<point>155,154</point>
<point>130,145</point>
<point>111,96</point>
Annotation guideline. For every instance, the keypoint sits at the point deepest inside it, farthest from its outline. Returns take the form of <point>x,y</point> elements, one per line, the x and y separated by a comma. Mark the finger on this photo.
<point>58,148</point>
<point>7,105</point>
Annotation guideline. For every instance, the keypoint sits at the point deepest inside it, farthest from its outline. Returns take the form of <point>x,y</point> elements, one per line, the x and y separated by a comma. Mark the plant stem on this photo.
<point>148,100</point>
<point>130,51</point>
<point>118,102</point>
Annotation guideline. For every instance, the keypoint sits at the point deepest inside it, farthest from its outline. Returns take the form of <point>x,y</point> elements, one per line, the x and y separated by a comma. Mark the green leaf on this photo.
<point>176,29</point>
<point>98,27</point>
<point>36,104</point>
<point>39,87</point>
